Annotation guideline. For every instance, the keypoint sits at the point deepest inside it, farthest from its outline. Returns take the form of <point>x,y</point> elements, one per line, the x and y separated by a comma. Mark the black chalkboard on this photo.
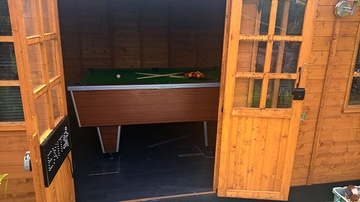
<point>54,150</point>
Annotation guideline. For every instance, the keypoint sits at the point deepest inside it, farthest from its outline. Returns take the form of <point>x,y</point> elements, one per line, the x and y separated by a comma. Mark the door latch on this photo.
<point>298,93</point>
<point>27,162</point>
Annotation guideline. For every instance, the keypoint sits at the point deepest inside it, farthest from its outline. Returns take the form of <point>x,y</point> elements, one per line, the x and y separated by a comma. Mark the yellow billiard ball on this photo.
<point>118,76</point>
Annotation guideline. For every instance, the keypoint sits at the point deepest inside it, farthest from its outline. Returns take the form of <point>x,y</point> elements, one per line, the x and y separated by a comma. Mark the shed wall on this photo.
<point>328,148</point>
<point>12,150</point>
<point>127,33</point>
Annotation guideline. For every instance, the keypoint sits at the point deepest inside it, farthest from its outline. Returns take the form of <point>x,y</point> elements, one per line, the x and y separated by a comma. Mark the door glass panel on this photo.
<point>35,65</point>
<point>55,102</point>
<point>242,86</point>
<point>5,27</point>
<point>30,18</point>
<point>8,69</point>
<point>251,20</point>
<point>264,10</point>
<point>247,93</point>
<point>10,104</point>
<point>256,93</point>
<point>51,58</point>
<point>290,17</point>
<point>285,57</point>
<point>247,56</point>
<point>42,114</point>
<point>260,57</point>
<point>279,93</point>
<point>47,15</point>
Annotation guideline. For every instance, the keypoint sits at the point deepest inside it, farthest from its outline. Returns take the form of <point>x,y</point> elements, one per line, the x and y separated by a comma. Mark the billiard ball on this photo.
<point>118,76</point>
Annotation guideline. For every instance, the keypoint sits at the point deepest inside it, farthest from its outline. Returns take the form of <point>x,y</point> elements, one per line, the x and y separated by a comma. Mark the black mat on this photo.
<point>155,160</point>
<point>158,160</point>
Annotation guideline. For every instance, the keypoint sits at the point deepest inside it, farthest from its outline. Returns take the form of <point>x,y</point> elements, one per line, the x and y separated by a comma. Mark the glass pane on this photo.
<point>251,17</point>
<point>247,93</point>
<point>246,56</point>
<point>290,17</point>
<point>42,114</point>
<point>10,104</point>
<point>8,69</point>
<point>241,93</point>
<point>264,9</point>
<point>256,93</point>
<point>355,92</point>
<point>260,57</point>
<point>5,27</point>
<point>285,57</point>
<point>30,17</point>
<point>279,93</point>
<point>51,58</point>
<point>47,15</point>
<point>55,102</point>
<point>35,65</point>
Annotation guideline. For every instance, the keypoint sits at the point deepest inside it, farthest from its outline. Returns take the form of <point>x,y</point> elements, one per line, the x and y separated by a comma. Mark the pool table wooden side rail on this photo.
<point>125,107</point>
<point>109,109</point>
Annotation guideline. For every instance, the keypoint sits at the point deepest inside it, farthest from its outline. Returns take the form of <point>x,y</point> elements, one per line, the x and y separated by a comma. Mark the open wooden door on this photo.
<point>37,44</point>
<point>266,48</point>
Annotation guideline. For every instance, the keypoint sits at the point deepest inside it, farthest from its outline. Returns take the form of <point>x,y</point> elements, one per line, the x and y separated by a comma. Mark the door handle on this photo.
<point>27,161</point>
<point>299,93</point>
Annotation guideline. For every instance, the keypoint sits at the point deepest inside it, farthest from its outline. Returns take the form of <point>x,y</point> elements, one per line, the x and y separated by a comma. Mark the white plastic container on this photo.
<point>339,194</point>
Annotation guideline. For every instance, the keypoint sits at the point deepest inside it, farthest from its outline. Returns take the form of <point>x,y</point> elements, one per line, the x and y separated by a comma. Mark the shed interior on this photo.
<point>142,34</point>
<point>130,34</point>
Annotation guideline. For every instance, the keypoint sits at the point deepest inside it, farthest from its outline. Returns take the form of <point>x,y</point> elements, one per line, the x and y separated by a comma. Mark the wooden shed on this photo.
<point>289,95</point>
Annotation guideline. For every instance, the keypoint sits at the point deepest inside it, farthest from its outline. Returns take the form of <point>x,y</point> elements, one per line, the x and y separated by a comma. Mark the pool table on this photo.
<point>109,98</point>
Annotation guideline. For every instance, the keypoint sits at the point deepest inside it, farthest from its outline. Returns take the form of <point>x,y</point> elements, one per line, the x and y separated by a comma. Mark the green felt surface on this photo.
<point>130,76</point>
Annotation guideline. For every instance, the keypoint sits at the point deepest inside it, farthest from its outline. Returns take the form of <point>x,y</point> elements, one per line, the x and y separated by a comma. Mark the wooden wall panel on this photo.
<point>125,34</point>
<point>333,137</point>
<point>20,185</point>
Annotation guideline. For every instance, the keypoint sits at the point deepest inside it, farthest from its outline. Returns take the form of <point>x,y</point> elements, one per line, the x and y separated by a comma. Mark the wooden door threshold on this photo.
<point>171,196</point>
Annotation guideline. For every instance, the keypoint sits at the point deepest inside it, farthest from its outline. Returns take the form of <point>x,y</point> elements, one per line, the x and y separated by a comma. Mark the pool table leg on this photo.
<point>209,130</point>
<point>109,138</point>
<point>206,134</point>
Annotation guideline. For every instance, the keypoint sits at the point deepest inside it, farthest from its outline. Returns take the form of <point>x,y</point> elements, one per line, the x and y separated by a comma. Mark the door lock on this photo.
<point>27,162</point>
<point>298,93</point>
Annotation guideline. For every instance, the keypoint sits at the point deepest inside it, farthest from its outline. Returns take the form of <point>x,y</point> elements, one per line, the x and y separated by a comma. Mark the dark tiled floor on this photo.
<point>157,160</point>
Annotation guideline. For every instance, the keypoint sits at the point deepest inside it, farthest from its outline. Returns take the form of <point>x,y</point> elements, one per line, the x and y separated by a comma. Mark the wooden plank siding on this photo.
<point>12,150</point>
<point>125,34</point>
<point>328,148</point>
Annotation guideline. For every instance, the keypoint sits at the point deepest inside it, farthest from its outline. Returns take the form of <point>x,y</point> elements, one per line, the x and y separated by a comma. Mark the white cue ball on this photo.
<point>118,76</point>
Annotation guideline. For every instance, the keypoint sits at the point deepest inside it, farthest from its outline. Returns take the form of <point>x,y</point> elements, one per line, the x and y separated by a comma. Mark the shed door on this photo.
<point>36,35</point>
<point>265,54</point>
